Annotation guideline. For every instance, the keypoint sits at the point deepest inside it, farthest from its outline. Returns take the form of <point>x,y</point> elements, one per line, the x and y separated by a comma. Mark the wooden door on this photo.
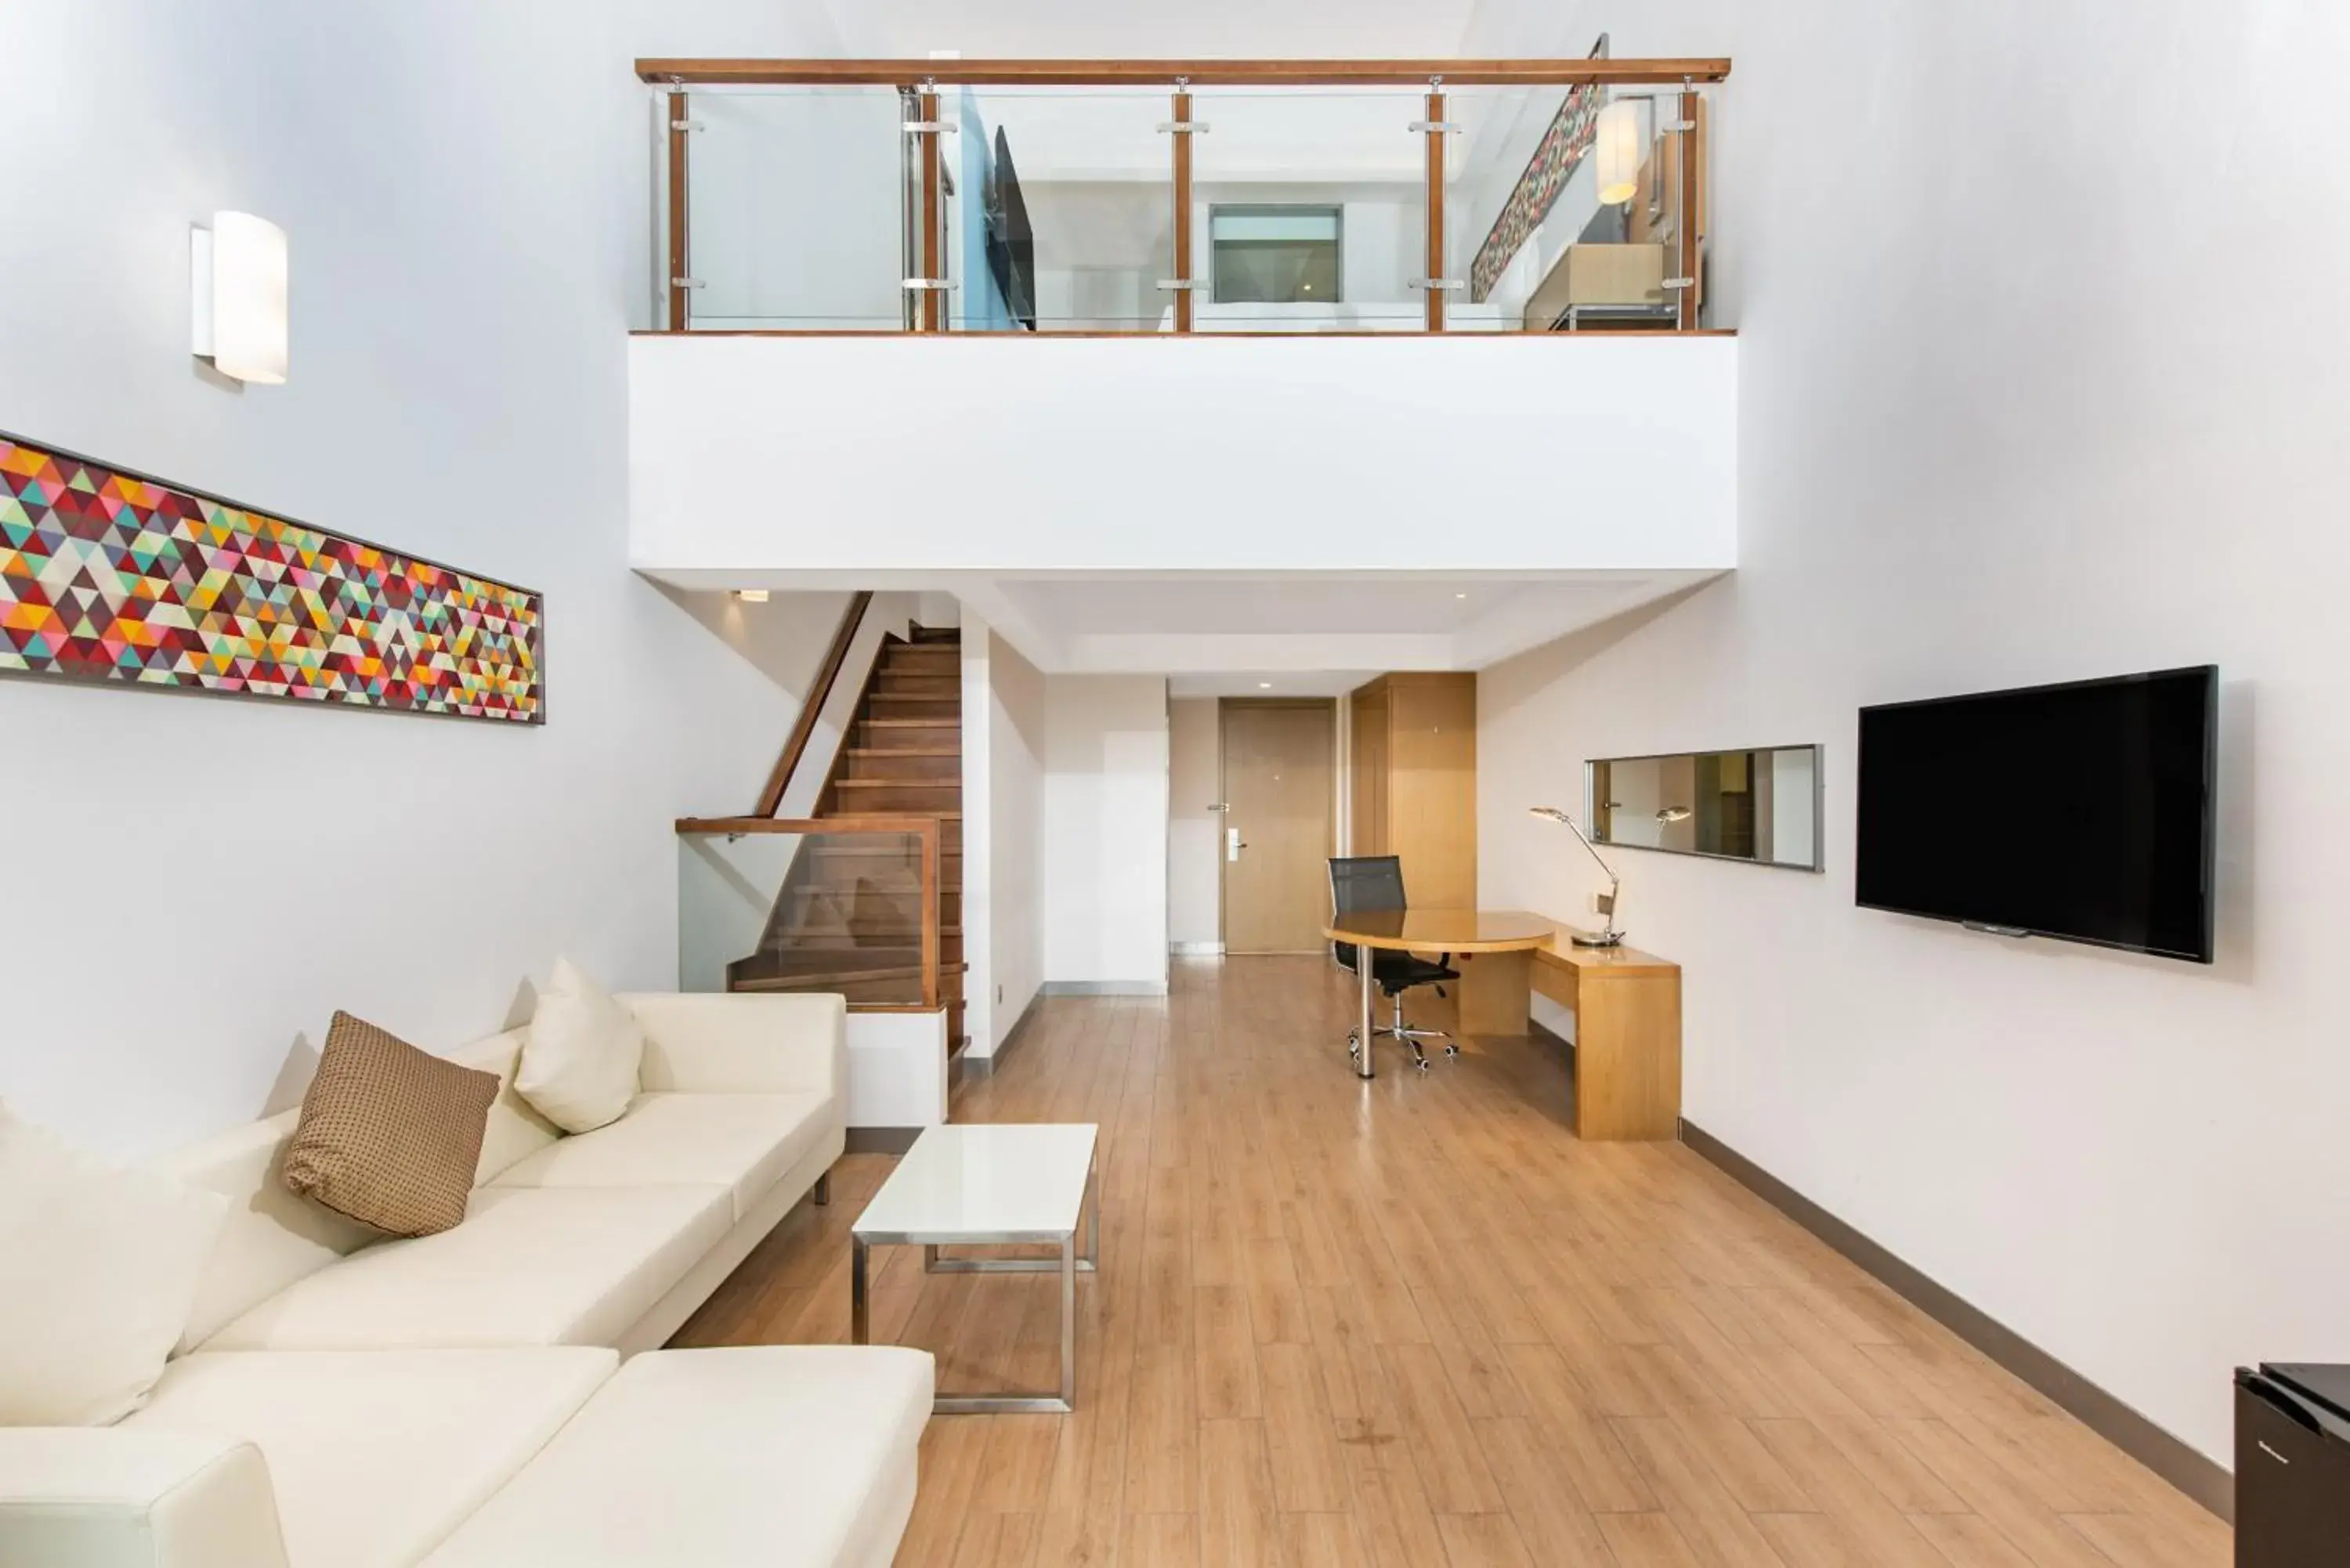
<point>1279,772</point>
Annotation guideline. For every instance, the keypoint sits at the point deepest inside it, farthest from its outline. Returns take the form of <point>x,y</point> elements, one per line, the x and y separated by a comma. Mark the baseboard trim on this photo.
<point>2181,1464</point>
<point>1103,988</point>
<point>1196,950</point>
<point>986,1066</point>
<point>881,1140</point>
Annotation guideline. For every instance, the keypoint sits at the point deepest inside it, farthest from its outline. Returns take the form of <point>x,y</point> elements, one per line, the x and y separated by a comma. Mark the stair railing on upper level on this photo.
<point>1187,197</point>
<point>863,892</point>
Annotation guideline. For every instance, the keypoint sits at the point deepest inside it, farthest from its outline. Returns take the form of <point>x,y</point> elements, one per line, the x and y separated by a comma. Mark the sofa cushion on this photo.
<point>744,1142</point>
<point>273,1235</point>
<point>98,1269</point>
<point>769,1457</point>
<point>390,1135</point>
<point>376,1456</point>
<point>515,1128</point>
<point>529,1266</point>
<point>110,1497</point>
<point>579,1057</point>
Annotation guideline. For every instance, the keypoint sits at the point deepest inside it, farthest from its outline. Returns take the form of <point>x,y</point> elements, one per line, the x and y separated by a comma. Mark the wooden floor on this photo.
<point>1415,1322</point>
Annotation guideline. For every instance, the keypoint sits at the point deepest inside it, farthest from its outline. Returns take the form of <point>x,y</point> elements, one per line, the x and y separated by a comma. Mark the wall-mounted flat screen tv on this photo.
<point>2083,811</point>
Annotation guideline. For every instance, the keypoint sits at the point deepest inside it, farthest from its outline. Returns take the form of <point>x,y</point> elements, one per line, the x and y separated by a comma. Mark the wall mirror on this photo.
<point>1761,805</point>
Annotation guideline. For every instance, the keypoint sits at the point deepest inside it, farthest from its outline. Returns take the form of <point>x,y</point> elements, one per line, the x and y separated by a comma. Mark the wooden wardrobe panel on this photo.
<point>1368,832</point>
<point>1415,782</point>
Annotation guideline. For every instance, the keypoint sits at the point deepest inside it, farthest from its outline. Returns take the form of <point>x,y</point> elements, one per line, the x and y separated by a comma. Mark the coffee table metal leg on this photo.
<point>861,1309</point>
<point>1365,1019</point>
<point>1093,1225</point>
<point>1069,1321</point>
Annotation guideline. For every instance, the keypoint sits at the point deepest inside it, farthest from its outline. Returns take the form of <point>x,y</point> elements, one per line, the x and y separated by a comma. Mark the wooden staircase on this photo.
<point>849,918</point>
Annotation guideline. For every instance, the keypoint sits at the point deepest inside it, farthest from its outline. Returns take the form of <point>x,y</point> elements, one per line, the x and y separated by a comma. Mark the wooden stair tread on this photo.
<point>894,934</point>
<point>835,850</point>
<point>941,816</point>
<point>846,976</point>
<point>903,751</point>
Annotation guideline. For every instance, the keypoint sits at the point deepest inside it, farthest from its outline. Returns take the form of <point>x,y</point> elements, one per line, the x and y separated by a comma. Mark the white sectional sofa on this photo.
<point>340,1401</point>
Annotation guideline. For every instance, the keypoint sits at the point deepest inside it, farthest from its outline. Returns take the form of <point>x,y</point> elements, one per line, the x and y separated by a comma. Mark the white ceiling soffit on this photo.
<point>1271,683</point>
<point>1290,627</point>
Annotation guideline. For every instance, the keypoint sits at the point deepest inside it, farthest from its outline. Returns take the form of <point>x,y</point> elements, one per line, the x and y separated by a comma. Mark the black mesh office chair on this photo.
<point>1363,883</point>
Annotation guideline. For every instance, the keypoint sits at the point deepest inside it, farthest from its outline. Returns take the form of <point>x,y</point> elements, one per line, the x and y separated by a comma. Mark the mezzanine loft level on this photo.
<point>1292,300</point>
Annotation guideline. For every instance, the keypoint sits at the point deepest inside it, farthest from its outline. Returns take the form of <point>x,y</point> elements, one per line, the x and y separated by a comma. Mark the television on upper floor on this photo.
<point>2084,812</point>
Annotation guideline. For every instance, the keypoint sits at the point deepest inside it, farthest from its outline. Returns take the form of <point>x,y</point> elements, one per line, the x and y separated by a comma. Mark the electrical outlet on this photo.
<point>1598,904</point>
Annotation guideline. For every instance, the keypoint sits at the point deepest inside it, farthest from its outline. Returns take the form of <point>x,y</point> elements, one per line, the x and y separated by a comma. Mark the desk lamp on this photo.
<point>1611,937</point>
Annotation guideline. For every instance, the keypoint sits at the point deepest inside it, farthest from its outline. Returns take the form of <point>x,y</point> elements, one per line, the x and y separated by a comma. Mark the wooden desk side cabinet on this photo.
<point>1628,1030</point>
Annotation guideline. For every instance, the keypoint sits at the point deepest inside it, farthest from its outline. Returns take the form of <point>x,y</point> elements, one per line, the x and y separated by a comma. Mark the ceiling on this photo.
<point>1253,633</point>
<point>1271,683</point>
<point>1090,29</point>
<point>1097,607</point>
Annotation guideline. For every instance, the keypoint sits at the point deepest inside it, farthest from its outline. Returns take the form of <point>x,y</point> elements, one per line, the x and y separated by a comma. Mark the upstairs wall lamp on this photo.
<point>238,297</point>
<point>1616,150</point>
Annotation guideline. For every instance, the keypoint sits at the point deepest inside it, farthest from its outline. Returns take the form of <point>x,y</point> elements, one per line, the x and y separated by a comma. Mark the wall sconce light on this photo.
<point>239,298</point>
<point>1615,152</point>
<point>751,596</point>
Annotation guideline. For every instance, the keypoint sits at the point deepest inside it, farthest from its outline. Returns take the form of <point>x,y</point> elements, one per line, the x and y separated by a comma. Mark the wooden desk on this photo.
<point>1627,1005</point>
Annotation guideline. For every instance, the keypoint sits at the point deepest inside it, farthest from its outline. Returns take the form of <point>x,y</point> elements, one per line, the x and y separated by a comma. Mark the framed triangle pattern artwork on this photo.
<point>111,575</point>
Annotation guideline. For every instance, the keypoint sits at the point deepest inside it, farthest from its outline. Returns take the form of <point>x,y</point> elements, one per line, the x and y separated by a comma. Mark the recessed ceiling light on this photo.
<point>1460,595</point>
<point>751,596</point>
<point>1264,685</point>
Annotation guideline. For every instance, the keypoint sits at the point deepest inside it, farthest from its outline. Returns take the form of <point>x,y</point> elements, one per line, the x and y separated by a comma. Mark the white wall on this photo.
<point>199,883</point>
<point>1993,431</point>
<point>1195,773</point>
<point>1331,453</point>
<point>1004,739</point>
<point>1104,898</point>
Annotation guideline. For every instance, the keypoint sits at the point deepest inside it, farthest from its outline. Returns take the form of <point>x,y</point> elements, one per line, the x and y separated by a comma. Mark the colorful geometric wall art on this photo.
<point>109,576</point>
<point>1562,148</point>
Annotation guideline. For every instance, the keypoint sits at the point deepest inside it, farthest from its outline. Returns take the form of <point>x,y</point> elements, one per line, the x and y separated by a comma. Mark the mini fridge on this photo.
<point>2292,1465</point>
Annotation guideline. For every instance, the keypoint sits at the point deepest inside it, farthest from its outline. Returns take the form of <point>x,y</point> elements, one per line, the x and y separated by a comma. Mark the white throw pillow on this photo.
<point>579,1062</point>
<point>98,1267</point>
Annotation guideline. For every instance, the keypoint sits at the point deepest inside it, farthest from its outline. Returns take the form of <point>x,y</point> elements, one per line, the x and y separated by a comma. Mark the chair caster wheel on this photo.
<point>1421,1064</point>
<point>1452,1050</point>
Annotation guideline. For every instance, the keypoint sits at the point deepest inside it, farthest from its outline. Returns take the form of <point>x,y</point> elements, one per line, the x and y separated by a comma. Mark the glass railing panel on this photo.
<point>1062,214</point>
<point>796,211</point>
<point>1309,210</point>
<point>1567,201</point>
<point>804,912</point>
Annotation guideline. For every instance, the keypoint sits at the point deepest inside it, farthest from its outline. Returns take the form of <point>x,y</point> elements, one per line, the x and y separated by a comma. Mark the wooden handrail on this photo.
<point>1198,73</point>
<point>771,798</point>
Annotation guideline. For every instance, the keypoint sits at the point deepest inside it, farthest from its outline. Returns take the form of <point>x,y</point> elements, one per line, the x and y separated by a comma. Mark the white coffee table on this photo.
<point>988,1184</point>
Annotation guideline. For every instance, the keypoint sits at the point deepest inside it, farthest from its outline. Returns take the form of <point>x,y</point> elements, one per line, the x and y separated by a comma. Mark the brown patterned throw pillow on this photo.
<point>388,1135</point>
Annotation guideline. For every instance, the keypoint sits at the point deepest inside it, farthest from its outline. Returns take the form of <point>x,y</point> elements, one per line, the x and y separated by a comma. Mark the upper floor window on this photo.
<point>1276,255</point>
